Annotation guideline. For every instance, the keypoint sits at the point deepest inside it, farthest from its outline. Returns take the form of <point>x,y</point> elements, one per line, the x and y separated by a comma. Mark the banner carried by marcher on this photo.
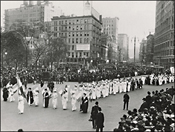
<point>172,70</point>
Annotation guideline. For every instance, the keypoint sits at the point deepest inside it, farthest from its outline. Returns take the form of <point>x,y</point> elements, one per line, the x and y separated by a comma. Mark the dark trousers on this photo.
<point>94,123</point>
<point>125,103</point>
<point>97,129</point>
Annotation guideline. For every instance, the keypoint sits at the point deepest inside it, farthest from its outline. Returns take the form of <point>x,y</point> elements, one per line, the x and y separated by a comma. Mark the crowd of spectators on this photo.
<point>156,113</point>
<point>102,72</point>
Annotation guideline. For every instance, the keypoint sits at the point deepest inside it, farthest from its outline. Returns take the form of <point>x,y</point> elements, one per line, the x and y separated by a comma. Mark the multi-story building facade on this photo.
<point>123,46</point>
<point>81,33</point>
<point>142,51</point>
<point>29,13</point>
<point>110,27</point>
<point>164,34</point>
<point>104,47</point>
<point>149,49</point>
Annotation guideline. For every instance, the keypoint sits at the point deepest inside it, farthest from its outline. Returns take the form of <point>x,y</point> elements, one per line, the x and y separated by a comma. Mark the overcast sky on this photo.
<point>136,18</point>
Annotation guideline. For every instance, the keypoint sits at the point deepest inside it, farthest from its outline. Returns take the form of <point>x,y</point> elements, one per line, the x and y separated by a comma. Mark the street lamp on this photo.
<point>3,59</point>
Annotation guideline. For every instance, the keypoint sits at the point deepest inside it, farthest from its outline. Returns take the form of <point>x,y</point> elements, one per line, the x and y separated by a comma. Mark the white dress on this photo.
<point>36,98</point>
<point>73,102</point>
<point>65,100</point>
<point>124,86</point>
<point>11,95</point>
<point>54,100</point>
<point>98,92</point>
<point>114,88</point>
<point>129,86</point>
<point>120,87</point>
<point>21,104</point>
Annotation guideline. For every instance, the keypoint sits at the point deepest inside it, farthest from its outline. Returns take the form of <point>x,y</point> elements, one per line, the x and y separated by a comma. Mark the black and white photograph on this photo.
<point>87,66</point>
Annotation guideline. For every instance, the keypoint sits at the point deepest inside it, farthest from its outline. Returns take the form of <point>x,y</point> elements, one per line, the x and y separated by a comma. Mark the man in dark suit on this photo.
<point>126,100</point>
<point>94,113</point>
<point>99,120</point>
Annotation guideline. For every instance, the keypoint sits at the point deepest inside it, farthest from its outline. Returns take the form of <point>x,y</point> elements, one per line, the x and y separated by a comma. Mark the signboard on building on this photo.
<point>83,47</point>
<point>95,13</point>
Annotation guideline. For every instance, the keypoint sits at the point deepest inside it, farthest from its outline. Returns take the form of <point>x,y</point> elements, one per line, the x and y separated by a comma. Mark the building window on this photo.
<point>68,54</point>
<point>87,40</point>
<point>73,34</point>
<point>80,54</point>
<point>76,55</point>
<point>77,27</point>
<point>84,40</point>
<point>80,34</point>
<point>69,47</point>
<point>77,34</point>
<point>55,23</point>
<point>72,40</point>
<point>55,28</point>
<point>72,54</point>
<point>73,47</point>
<point>77,40</point>
<point>80,40</point>
<point>69,40</point>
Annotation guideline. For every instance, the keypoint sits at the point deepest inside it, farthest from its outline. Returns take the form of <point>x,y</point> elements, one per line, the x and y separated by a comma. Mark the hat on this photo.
<point>144,99</point>
<point>96,102</point>
<point>54,90</point>
<point>99,109</point>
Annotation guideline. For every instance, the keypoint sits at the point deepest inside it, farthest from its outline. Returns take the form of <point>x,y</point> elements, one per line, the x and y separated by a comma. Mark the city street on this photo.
<point>49,119</point>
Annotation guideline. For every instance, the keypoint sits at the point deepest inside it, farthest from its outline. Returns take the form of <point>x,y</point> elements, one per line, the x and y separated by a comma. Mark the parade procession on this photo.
<point>87,66</point>
<point>79,94</point>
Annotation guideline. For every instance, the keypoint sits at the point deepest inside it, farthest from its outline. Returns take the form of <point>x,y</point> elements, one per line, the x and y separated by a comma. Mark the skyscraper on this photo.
<point>164,34</point>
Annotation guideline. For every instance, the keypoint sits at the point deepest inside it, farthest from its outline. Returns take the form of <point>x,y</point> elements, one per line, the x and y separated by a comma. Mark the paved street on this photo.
<point>41,119</point>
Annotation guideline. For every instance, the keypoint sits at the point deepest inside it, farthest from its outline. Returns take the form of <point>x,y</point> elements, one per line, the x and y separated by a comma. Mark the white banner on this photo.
<point>172,70</point>
<point>83,47</point>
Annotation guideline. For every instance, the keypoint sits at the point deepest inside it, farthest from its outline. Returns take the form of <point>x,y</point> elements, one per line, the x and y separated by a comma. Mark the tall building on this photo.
<point>110,27</point>
<point>164,34</point>
<point>123,45</point>
<point>29,13</point>
<point>81,33</point>
<point>142,51</point>
<point>149,49</point>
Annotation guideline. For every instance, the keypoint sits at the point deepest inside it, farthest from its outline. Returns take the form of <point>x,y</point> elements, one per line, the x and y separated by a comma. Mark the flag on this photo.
<point>21,91</point>
<point>8,85</point>
<point>18,81</point>
<point>20,87</point>
<point>15,88</point>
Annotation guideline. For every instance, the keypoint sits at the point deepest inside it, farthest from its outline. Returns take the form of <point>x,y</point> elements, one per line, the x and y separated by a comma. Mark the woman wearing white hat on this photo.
<point>11,93</point>
<point>35,96</point>
<point>54,98</point>
<point>20,103</point>
<point>64,97</point>
<point>74,100</point>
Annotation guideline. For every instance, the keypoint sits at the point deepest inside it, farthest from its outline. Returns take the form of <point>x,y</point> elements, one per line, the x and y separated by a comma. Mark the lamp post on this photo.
<point>3,59</point>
